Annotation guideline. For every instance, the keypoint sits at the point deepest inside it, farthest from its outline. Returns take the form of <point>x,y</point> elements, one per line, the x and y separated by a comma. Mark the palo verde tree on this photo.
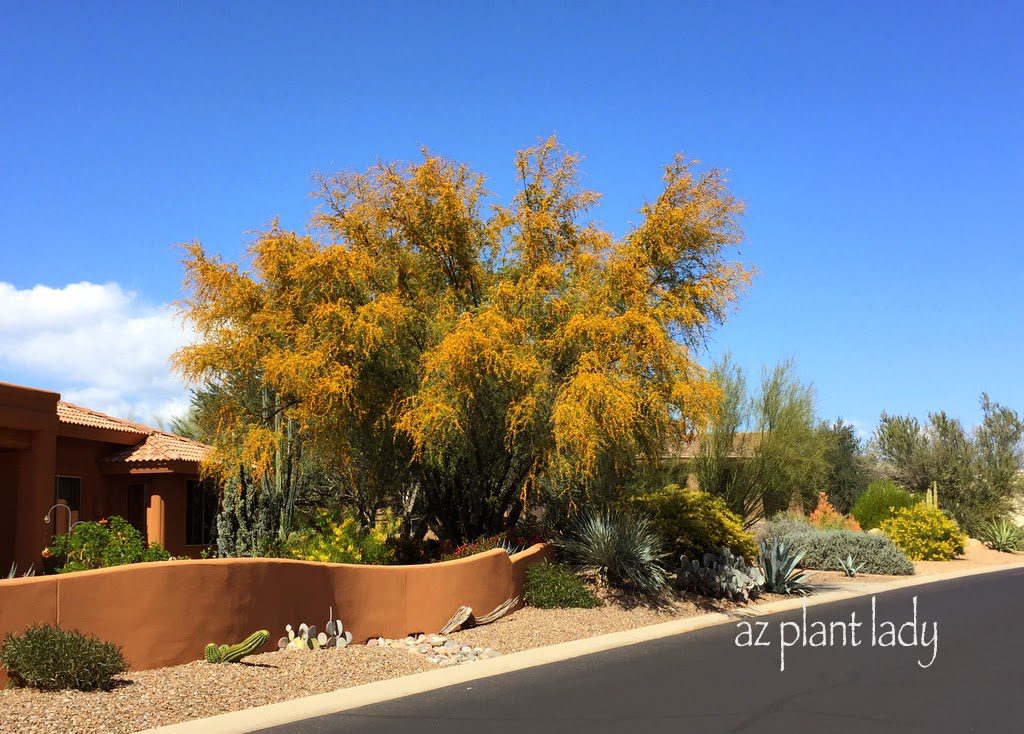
<point>459,356</point>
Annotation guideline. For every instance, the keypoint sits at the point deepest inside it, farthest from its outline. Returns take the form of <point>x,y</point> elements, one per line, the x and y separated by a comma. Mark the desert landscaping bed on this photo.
<point>150,698</point>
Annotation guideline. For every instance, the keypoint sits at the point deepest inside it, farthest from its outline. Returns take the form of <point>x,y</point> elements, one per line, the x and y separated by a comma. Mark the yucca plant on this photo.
<point>1002,535</point>
<point>12,572</point>
<point>622,550</point>
<point>849,566</point>
<point>779,564</point>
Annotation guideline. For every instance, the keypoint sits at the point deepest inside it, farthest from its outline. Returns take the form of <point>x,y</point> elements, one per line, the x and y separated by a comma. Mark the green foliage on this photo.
<point>1002,535</point>
<point>978,472</point>
<point>925,533</point>
<point>764,448</point>
<point>624,551</point>
<point>693,523</point>
<point>880,501</point>
<point>52,659</point>
<point>823,549</point>
<point>555,586</point>
<point>111,541</point>
<point>846,476</point>
<point>779,564</point>
<point>721,575</point>
<point>343,540</point>
<point>234,653</point>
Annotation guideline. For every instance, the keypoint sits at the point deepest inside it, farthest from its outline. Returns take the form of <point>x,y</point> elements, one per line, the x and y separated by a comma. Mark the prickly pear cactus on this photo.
<point>721,575</point>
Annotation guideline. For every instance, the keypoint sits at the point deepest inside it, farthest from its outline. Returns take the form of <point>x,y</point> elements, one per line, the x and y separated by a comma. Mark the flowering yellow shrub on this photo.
<point>924,533</point>
<point>344,540</point>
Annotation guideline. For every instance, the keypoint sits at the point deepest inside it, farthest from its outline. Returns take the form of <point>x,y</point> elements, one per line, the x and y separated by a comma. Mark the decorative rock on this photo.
<point>372,642</point>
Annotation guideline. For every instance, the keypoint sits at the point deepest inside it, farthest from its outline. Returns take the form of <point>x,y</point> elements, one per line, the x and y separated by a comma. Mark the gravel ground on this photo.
<point>155,697</point>
<point>529,627</point>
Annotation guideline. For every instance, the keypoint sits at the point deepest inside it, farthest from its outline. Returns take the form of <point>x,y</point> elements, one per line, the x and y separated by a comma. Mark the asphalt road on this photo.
<point>703,682</point>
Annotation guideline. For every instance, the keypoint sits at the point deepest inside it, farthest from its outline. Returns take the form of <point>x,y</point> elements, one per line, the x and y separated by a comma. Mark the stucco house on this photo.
<point>56,453</point>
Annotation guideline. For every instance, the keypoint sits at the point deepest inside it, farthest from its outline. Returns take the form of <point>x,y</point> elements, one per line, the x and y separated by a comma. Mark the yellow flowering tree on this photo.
<point>461,353</point>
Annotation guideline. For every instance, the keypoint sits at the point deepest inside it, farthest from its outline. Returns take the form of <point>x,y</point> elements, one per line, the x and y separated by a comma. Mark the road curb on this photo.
<point>322,704</point>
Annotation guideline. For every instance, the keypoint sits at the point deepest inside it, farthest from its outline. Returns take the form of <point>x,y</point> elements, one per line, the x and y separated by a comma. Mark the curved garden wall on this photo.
<point>164,613</point>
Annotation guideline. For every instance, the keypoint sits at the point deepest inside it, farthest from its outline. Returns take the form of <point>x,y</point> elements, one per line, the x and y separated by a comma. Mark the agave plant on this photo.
<point>779,564</point>
<point>622,550</point>
<point>13,572</point>
<point>849,566</point>
<point>1002,535</point>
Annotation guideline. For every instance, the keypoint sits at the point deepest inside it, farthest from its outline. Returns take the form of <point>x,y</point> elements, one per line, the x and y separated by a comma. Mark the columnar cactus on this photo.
<point>233,653</point>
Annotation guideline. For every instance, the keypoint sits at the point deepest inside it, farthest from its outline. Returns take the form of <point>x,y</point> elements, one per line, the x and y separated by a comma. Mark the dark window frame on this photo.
<point>77,505</point>
<point>201,518</point>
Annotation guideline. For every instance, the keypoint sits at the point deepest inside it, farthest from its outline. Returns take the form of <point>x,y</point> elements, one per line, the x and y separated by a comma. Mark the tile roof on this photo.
<point>76,414</point>
<point>156,447</point>
<point>162,447</point>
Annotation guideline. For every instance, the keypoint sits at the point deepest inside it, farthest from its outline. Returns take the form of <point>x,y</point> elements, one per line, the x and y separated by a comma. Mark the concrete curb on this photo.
<point>285,712</point>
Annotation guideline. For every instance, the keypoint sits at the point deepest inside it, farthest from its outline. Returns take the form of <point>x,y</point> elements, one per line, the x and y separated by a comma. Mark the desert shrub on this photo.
<point>827,517</point>
<point>721,575</point>
<point>342,539</point>
<point>693,523</point>
<point>409,551</point>
<point>53,659</point>
<point>924,533</point>
<point>879,502</point>
<point>555,586</point>
<point>112,541</point>
<point>623,550</point>
<point>1002,535</point>
<point>825,549</point>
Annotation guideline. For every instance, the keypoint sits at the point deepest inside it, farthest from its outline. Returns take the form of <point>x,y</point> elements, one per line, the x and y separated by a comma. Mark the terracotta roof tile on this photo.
<point>162,447</point>
<point>157,447</point>
<point>76,414</point>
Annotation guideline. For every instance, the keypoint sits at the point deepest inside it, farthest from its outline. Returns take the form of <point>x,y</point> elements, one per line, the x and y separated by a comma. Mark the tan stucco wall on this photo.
<point>164,613</point>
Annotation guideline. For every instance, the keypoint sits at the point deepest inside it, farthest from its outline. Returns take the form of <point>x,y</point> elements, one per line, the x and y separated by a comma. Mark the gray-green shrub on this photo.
<point>823,549</point>
<point>555,586</point>
<point>52,659</point>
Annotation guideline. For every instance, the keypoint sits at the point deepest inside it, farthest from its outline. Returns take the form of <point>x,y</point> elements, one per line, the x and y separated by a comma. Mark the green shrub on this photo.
<point>342,539</point>
<point>1002,535</point>
<point>53,659</point>
<point>555,586</point>
<point>825,549</point>
<point>624,551</point>
<point>108,542</point>
<point>693,523</point>
<point>879,502</point>
<point>925,533</point>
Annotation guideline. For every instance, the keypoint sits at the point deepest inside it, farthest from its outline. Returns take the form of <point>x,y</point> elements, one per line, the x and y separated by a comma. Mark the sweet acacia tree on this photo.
<point>463,354</point>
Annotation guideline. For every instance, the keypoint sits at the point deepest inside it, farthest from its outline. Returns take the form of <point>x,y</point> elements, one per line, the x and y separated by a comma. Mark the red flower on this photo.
<point>103,521</point>
<point>46,552</point>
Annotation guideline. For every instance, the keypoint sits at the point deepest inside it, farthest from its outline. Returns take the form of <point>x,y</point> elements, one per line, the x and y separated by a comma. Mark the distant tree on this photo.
<point>978,472</point>
<point>765,448</point>
<point>847,475</point>
<point>460,361</point>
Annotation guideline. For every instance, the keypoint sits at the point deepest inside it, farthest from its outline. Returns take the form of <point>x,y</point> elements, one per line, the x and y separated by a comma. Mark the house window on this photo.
<point>69,491</point>
<point>200,514</point>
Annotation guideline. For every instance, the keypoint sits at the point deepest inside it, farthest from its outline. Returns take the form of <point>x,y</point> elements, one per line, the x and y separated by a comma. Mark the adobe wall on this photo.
<point>164,613</point>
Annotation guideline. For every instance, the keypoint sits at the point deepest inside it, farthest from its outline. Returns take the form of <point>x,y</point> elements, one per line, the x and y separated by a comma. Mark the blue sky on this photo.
<point>878,147</point>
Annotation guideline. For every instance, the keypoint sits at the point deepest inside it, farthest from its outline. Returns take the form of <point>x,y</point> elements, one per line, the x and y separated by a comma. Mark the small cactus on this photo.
<point>233,653</point>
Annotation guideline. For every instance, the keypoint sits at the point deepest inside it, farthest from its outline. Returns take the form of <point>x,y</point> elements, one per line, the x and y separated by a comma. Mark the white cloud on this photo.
<point>98,345</point>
